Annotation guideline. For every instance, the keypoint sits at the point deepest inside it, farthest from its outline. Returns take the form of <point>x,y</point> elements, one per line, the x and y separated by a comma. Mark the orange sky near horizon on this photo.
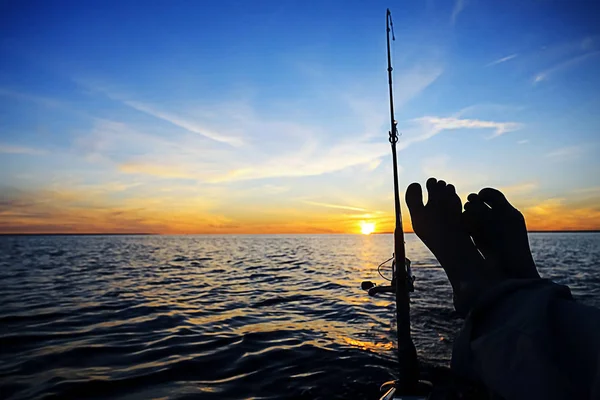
<point>66,211</point>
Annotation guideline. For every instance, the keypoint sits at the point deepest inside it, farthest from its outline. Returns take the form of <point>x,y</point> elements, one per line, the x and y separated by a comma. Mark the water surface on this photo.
<point>227,317</point>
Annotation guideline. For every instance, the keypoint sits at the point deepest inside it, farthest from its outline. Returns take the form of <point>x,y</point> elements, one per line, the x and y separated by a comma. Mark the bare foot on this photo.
<point>439,225</point>
<point>498,229</point>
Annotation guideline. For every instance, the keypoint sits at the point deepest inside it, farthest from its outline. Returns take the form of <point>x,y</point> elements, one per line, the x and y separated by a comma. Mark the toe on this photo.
<point>414,199</point>
<point>476,220</point>
<point>474,216</point>
<point>453,201</point>
<point>441,189</point>
<point>494,198</point>
<point>475,205</point>
<point>433,192</point>
<point>431,183</point>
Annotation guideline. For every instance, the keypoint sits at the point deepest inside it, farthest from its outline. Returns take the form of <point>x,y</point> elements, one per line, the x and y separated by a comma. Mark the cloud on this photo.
<point>502,60</point>
<point>109,141</point>
<point>594,190</point>
<point>184,123</point>
<point>10,149</point>
<point>459,5</point>
<point>110,187</point>
<point>278,144</point>
<point>565,65</point>
<point>559,214</point>
<point>310,160</point>
<point>568,152</point>
<point>524,141</point>
<point>188,124</point>
<point>374,164</point>
<point>155,170</point>
<point>487,108</point>
<point>48,211</point>
<point>435,125</point>
<point>372,110</point>
<point>520,188</point>
<point>162,153</point>
<point>282,149</point>
<point>80,210</point>
<point>299,151</point>
<point>413,81</point>
<point>268,189</point>
<point>340,207</point>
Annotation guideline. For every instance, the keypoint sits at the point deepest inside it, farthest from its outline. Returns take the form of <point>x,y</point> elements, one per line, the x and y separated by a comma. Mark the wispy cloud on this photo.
<point>524,141</point>
<point>10,149</point>
<point>373,110</point>
<point>565,65</point>
<point>184,123</point>
<point>279,149</point>
<point>153,152</point>
<point>459,5</point>
<point>436,125</point>
<point>413,81</point>
<point>262,146</point>
<point>588,190</point>
<point>490,110</point>
<point>112,141</point>
<point>310,160</point>
<point>78,210</point>
<point>502,60</point>
<point>272,189</point>
<point>155,170</point>
<point>520,188</point>
<point>337,206</point>
<point>568,152</point>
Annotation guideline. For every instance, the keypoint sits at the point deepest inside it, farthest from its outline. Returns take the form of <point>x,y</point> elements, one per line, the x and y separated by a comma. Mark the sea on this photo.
<point>229,317</point>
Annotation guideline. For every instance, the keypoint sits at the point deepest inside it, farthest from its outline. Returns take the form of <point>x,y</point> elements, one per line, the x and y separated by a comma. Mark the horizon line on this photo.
<point>272,233</point>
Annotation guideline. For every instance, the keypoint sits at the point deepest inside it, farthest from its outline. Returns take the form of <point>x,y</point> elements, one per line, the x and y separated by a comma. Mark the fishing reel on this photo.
<point>374,290</point>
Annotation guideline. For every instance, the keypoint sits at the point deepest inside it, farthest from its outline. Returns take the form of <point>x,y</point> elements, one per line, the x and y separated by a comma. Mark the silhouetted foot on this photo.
<point>439,225</point>
<point>498,229</point>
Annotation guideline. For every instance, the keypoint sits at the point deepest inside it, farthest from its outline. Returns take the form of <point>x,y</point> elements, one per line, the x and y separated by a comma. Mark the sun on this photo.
<point>366,228</point>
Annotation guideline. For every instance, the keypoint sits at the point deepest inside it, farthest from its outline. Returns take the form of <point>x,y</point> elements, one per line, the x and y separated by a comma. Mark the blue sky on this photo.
<point>217,116</point>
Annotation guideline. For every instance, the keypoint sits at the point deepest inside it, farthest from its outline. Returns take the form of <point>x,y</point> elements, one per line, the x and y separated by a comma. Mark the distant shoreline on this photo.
<point>191,234</point>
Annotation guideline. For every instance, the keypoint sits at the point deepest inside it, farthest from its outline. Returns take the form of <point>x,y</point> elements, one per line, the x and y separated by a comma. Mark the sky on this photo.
<point>272,116</point>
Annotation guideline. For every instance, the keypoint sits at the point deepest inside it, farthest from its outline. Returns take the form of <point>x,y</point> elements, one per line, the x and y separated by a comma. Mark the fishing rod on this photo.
<point>408,373</point>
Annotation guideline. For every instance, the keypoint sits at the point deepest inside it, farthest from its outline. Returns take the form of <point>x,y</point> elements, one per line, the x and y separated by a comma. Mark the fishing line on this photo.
<point>381,265</point>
